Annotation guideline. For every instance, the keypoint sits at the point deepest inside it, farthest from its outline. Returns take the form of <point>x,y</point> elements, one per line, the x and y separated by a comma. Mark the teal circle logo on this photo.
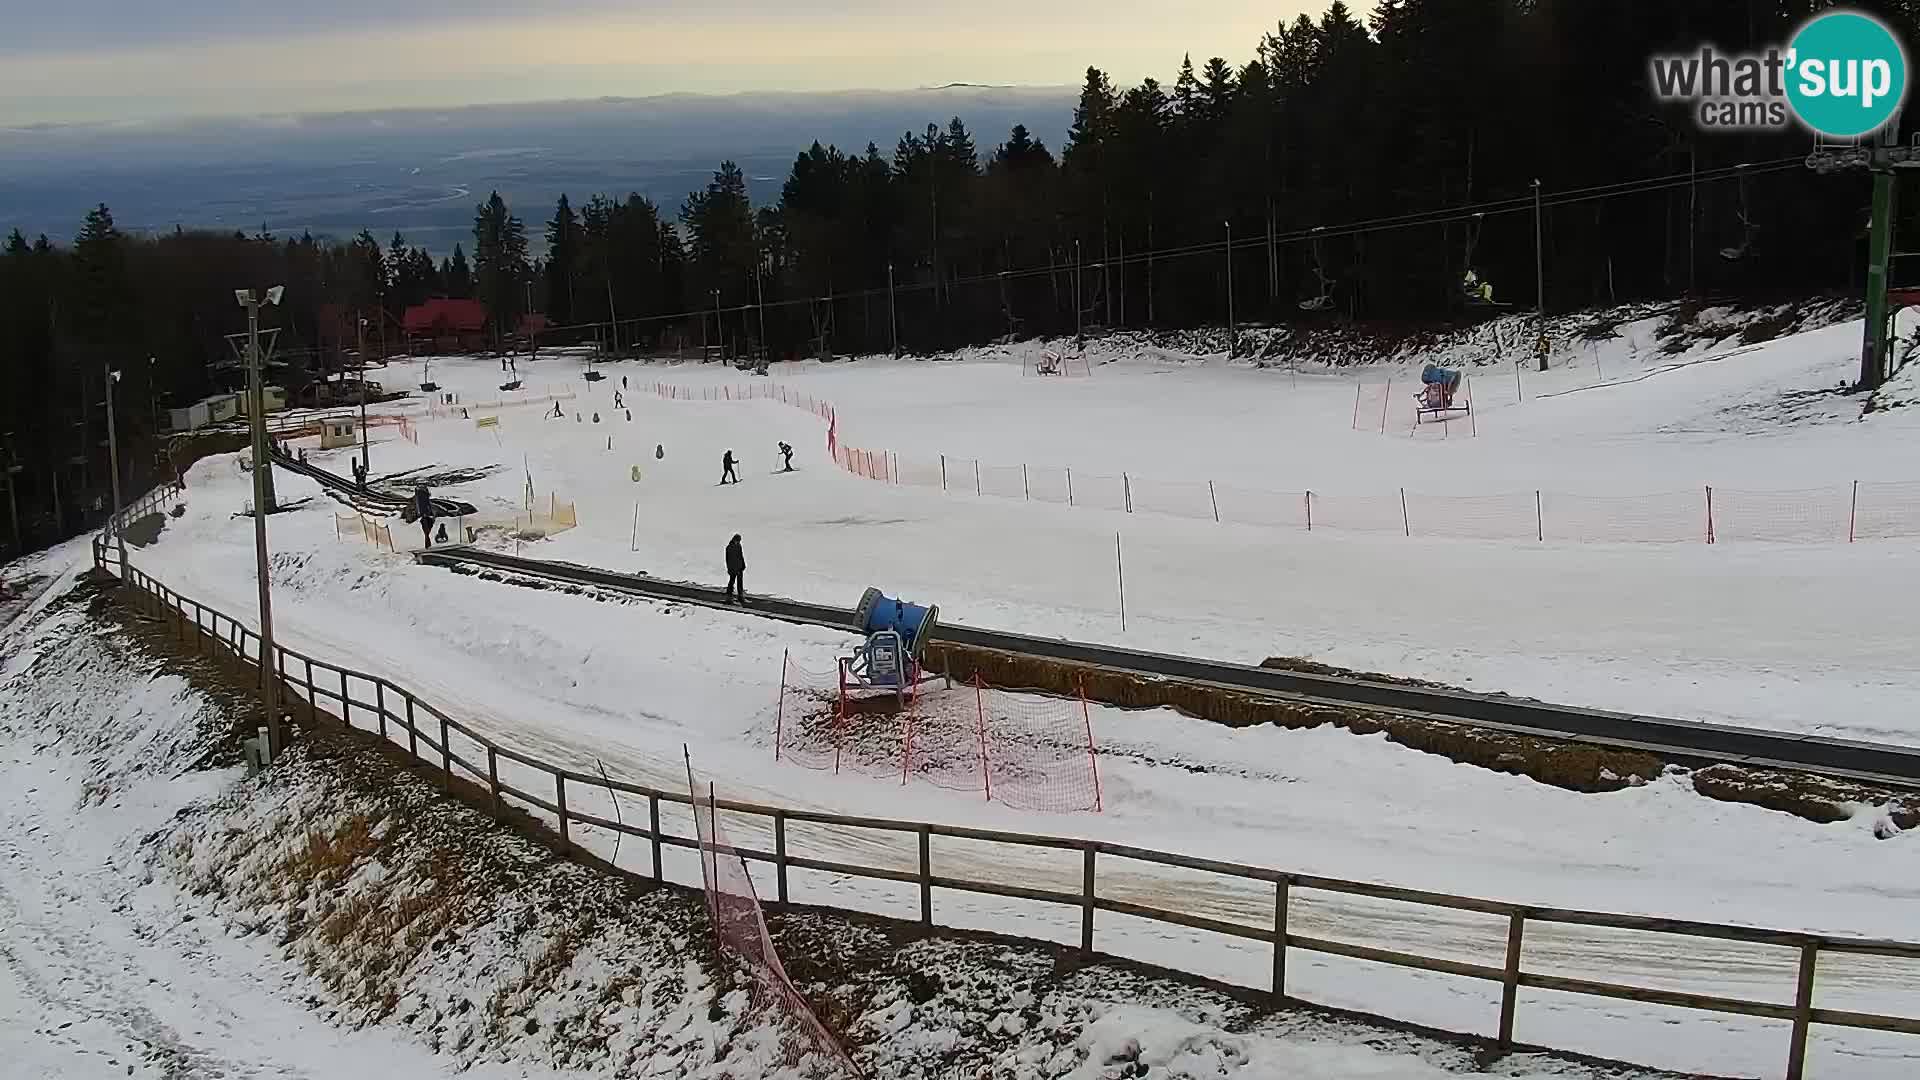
<point>1847,74</point>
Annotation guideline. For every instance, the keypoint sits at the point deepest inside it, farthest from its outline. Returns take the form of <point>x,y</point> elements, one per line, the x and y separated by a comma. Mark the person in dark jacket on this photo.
<point>736,568</point>
<point>786,456</point>
<point>727,475</point>
<point>423,510</point>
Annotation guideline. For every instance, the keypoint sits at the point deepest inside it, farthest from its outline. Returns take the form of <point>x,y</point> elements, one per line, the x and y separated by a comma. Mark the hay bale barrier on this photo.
<point>1574,766</point>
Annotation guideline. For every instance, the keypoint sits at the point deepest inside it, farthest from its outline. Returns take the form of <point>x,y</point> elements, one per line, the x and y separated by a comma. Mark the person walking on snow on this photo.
<point>736,567</point>
<point>423,510</point>
<point>727,475</point>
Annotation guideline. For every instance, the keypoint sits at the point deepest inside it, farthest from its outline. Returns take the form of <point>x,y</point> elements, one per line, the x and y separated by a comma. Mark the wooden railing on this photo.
<point>399,716</point>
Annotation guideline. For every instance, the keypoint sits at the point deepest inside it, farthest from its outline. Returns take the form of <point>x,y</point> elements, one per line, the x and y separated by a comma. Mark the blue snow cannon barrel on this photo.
<point>914,623</point>
<point>1446,377</point>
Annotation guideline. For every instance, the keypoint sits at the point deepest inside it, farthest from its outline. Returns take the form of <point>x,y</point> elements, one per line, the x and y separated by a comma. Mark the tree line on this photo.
<point>1415,108</point>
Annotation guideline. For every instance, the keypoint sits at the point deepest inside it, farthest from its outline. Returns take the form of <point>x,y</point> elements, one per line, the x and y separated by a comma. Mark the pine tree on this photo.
<point>103,303</point>
<point>562,263</point>
<point>456,276</point>
<point>500,267</point>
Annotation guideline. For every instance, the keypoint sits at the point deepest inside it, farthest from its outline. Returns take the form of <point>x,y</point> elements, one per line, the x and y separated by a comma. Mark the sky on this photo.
<point>130,60</point>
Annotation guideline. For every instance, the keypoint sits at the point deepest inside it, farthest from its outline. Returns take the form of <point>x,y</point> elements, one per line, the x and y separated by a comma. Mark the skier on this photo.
<point>659,451</point>
<point>786,455</point>
<point>727,475</point>
<point>736,567</point>
<point>423,510</point>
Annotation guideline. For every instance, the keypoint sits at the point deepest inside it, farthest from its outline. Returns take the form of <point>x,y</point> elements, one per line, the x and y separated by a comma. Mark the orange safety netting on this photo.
<point>1027,751</point>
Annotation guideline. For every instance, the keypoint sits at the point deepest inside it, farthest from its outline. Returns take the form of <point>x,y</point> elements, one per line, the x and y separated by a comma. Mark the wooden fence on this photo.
<point>399,716</point>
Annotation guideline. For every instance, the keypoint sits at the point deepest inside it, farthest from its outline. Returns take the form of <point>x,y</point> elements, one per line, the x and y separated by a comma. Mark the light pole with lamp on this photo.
<point>262,499</point>
<point>366,464</point>
<point>113,464</point>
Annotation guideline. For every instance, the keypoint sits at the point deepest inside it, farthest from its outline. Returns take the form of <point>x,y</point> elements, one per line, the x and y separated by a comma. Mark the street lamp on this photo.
<point>262,499</point>
<point>366,465</point>
<point>113,464</point>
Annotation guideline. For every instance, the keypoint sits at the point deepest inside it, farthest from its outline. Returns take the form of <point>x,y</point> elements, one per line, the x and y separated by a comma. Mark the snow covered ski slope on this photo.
<point>1766,634</point>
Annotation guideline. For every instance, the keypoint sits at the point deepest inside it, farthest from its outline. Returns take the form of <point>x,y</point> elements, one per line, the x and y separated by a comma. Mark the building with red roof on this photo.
<point>445,324</point>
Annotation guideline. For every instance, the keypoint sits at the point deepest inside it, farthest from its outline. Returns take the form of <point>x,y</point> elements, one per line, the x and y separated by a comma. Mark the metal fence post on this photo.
<point>493,779</point>
<point>380,703</point>
<point>1510,985</point>
<point>780,852</point>
<point>446,751</point>
<point>1280,901</point>
<point>1802,1011</point>
<point>413,733</point>
<point>346,710</point>
<point>560,800</point>
<point>653,828</point>
<point>926,875</point>
<point>1087,856</point>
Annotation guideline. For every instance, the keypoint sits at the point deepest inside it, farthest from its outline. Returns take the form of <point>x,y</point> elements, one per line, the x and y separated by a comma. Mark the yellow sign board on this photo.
<point>487,422</point>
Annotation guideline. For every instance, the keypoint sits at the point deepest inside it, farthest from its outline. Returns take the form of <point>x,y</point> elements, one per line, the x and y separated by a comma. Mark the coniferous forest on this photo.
<point>1360,163</point>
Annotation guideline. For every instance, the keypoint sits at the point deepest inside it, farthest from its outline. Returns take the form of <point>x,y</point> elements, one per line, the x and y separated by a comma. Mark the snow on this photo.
<point>162,920</point>
<point>1757,634</point>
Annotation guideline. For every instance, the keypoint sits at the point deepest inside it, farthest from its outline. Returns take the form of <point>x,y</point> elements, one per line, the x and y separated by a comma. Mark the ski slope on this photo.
<point>1752,634</point>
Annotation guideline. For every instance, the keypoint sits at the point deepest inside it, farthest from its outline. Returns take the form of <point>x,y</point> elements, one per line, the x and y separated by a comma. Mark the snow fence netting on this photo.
<point>740,927</point>
<point>1028,751</point>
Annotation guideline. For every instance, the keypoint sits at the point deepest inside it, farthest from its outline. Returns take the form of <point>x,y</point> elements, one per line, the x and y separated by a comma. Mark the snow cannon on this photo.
<point>1435,375</point>
<point>878,612</point>
<point>897,635</point>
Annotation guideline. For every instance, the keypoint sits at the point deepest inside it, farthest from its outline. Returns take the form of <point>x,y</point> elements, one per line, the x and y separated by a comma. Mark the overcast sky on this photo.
<point>103,60</point>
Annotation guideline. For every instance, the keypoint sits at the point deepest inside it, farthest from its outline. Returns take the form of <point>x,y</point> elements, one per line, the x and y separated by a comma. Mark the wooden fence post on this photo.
<point>1088,855</point>
<point>1026,485</point>
<point>380,701</point>
<point>943,473</point>
<point>1280,901</point>
<point>653,829</point>
<point>1510,984</point>
<point>446,751</point>
<point>560,801</point>
<point>1309,501</point>
<point>926,875</point>
<point>413,733</point>
<point>346,710</point>
<point>493,779</point>
<point>780,852</point>
<point>1802,1011</point>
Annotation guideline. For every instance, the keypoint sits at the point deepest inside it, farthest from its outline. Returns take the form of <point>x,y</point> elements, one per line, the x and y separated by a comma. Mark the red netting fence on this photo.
<point>1839,513</point>
<point>740,928</point>
<point>1028,751</point>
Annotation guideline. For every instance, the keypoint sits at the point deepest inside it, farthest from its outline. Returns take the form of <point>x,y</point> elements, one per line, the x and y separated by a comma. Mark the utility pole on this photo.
<point>533,341</point>
<point>893,315</point>
<point>1539,282</point>
<point>1079,332</point>
<point>12,468</point>
<point>613,318</point>
<point>1230,324</point>
<point>262,505</point>
<point>113,464</point>
<point>366,464</point>
<point>720,332</point>
<point>1873,349</point>
<point>760,290</point>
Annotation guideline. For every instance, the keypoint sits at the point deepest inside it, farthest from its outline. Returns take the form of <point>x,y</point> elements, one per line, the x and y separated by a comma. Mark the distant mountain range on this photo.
<point>420,171</point>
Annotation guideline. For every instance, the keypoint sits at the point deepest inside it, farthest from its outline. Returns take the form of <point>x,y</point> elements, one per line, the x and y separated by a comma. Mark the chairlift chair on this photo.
<point>1324,301</point>
<point>1744,248</point>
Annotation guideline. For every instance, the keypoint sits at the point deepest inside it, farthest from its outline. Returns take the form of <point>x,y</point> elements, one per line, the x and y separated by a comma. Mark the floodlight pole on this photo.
<point>1539,283</point>
<point>893,317</point>
<point>113,463</point>
<point>366,463</point>
<point>262,496</point>
<point>1230,324</point>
